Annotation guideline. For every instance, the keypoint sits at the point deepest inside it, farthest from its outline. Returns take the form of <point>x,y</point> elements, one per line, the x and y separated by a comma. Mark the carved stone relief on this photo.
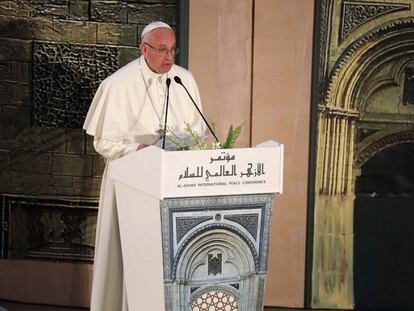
<point>41,228</point>
<point>65,78</point>
<point>326,8</point>
<point>356,13</point>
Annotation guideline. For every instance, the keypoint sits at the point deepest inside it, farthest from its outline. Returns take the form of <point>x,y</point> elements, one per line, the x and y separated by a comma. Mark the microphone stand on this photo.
<point>178,80</point>
<point>168,82</point>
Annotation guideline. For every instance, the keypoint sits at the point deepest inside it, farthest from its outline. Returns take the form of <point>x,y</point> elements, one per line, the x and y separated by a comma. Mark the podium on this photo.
<point>195,226</point>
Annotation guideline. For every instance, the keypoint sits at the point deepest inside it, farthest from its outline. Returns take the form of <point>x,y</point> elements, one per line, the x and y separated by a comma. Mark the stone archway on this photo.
<point>375,61</point>
<point>381,141</point>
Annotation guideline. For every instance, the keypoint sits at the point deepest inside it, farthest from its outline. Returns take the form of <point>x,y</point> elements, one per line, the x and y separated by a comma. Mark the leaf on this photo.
<point>232,136</point>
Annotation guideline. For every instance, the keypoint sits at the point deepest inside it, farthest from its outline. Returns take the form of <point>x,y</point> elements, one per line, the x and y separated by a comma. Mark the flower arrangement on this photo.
<point>193,141</point>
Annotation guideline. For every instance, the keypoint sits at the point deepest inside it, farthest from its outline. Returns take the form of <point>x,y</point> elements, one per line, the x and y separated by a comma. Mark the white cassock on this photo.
<point>128,110</point>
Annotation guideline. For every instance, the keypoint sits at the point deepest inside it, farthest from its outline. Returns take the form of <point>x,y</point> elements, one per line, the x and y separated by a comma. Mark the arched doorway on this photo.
<point>363,105</point>
<point>384,231</point>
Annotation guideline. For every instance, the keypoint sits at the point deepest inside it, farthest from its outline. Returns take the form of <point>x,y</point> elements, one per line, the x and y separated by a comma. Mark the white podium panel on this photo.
<point>221,172</point>
<point>170,174</point>
<point>139,226</point>
<point>220,196</point>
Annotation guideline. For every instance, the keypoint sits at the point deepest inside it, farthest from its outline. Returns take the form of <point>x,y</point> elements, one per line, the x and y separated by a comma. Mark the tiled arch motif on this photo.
<point>212,228</point>
<point>215,251</point>
<point>211,289</point>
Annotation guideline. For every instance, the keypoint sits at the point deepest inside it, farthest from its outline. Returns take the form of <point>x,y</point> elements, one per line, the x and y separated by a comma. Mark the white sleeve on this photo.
<point>113,149</point>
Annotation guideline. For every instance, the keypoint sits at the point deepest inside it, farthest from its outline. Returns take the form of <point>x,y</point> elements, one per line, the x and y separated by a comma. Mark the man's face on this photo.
<point>157,47</point>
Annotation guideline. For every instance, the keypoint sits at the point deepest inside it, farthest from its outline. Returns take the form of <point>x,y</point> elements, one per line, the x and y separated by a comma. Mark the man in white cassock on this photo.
<point>127,114</point>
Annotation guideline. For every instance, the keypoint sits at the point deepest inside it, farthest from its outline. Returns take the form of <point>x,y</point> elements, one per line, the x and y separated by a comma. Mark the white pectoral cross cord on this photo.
<point>155,91</point>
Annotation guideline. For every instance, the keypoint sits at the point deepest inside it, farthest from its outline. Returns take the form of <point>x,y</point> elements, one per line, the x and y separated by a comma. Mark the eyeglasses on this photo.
<point>163,51</point>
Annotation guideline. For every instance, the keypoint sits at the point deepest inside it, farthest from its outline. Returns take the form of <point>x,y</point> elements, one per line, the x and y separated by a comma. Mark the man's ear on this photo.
<point>142,47</point>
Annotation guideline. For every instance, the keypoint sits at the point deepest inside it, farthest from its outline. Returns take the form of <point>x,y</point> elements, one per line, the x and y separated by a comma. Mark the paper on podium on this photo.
<point>172,142</point>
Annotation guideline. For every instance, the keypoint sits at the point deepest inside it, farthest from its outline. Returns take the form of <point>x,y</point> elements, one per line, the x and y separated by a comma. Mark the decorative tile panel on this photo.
<point>249,221</point>
<point>215,251</point>
<point>185,224</point>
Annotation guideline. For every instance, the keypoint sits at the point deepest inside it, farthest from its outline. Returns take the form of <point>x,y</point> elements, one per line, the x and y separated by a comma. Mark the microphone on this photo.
<point>168,82</point>
<point>178,80</point>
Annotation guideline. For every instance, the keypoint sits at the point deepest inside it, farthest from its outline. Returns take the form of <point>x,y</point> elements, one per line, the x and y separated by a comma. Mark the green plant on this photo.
<point>232,135</point>
<point>193,141</point>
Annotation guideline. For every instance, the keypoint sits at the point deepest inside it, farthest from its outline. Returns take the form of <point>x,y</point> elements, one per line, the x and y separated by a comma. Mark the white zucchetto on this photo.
<point>154,25</point>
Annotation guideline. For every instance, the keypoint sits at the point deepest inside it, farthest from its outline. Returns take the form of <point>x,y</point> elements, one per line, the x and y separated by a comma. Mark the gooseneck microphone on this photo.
<point>168,82</point>
<point>178,80</point>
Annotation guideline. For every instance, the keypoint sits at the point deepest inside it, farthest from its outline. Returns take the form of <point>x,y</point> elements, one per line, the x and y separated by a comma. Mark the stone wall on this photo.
<point>53,55</point>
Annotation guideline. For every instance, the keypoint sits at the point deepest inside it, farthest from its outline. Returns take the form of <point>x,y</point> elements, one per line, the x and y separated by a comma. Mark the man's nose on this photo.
<point>169,55</point>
